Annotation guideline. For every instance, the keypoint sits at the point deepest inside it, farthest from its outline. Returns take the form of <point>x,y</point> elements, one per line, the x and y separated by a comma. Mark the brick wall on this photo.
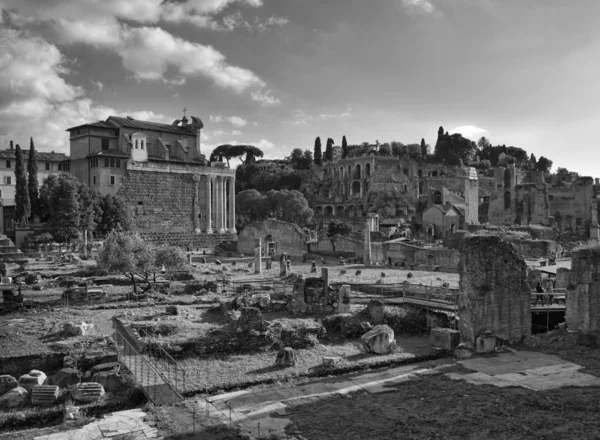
<point>492,297</point>
<point>583,291</point>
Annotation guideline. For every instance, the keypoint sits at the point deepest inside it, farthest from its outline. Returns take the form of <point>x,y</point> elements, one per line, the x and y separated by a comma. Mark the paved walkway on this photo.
<point>130,423</point>
<point>533,370</point>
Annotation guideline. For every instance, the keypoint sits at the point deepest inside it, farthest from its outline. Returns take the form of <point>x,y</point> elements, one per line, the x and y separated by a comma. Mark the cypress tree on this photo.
<point>34,197</point>
<point>344,148</point>
<point>22,203</point>
<point>318,155</point>
<point>329,150</point>
<point>423,148</point>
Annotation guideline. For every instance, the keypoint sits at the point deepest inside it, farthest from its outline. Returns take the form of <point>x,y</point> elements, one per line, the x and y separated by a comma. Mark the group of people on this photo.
<point>540,290</point>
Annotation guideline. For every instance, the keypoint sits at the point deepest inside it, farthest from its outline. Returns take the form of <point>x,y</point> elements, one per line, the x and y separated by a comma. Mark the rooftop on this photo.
<point>40,156</point>
<point>129,122</point>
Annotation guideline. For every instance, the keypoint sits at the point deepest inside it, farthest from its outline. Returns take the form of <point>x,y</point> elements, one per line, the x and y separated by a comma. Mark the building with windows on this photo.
<point>174,194</point>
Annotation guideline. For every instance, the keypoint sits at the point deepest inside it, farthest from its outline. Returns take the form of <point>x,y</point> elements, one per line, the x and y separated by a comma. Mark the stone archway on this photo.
<point>328,210</point>
<point>339,212</point>
<point>356,188</point>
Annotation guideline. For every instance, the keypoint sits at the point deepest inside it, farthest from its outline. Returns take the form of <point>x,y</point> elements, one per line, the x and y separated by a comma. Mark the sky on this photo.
<point>278,73</point>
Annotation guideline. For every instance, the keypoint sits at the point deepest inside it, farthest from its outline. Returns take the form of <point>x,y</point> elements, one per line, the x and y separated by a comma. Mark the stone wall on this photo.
<point>583,291</point>
<point>537,248</point>
<point>288,237</point>
<point>342,244</point>
<point>409,254</point>
<point>492,294</point>
<point>189,238</point>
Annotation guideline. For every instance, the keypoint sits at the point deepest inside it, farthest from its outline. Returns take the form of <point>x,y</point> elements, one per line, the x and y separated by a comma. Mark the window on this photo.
<point>94,180</point>
<point>437,198</point>
<point>140,203</point>
<point>8,164</point>
<point>8,180</point>
<point>65,166</point>
<point>142,144</point>
<point>136,144</point>
<point>118,163</point>
<point>47,166</point>
<point>113,179</point>
<point>112,163</point>
<point>106,162</point>
<point>104,144</point>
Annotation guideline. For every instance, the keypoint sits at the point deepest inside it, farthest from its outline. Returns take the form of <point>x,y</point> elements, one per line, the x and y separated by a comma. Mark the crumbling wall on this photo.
<point>288,237</point>
<point>492,297</point>
<point>583,291</point>
<point>537,248</point>
<point>342,245</point>
<point>438,257</point>
<point>562,277</point>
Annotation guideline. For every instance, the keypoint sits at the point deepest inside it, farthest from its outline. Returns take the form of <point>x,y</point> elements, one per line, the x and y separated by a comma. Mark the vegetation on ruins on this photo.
<point>290,206</point>
<point>228,151</point>
<point>70,207</point>
<point>22,203</point>
<point>279,178</point>
<point>32,170</point>
<point>137,259</point>
<point>300,160</point>
<point>336,229</point>
<point>318,154</point>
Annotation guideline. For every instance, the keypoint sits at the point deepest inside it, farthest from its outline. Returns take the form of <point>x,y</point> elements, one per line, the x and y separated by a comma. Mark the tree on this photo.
<point>337,228</point>
<point>229,152</point>
<point>250,206</point>
<point>290,206</point>
<point>168,258</point>
<point>483,143</point>
<point>129,255</point>
<point>424,148</point>
<point>64,208</point>
<point>384,150</point>
<point>344,147</point>
<point>89,209</point>
<point>318,155</point>
<point>329,150</point>
<point>300,160</point>
<point>22,202</point>
<point>544,164</point>
<point>113,216</point>
<point>33,184</point>
<point>398,149</point>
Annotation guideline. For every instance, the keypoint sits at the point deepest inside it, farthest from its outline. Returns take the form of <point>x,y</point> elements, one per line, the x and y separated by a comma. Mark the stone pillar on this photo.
<point>343,301</point>
<point>325,275</point>
<point>225,221</point>
<point>257,256</point>
<point>195,209</point>
<point>232,206</point>
<point>219,205</point>
<point>583,291</point>
<point>367,245</point>
<point>208,205</point>
<point>562,277</point>
<point>492,293</point>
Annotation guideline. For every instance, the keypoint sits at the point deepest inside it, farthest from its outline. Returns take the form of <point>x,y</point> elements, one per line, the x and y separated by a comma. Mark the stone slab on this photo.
<point>481,379</point>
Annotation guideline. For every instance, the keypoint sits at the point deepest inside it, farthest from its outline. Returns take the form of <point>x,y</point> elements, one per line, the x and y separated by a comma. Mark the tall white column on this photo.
<point>219,197</point>
<point>208,205</point>
<point>232,206</point>
<point>225,219</point>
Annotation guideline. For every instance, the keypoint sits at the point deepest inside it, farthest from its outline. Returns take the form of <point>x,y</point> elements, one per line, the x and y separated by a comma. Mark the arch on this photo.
<point>328,210</point>
<point>356,188</point>
<point>507,178</point>
<point>339,212</point>
<point>405,171</point>
<point>318,210</point>
<point>420,173</point>
<point>507,200</point>
<point>341,173</point>
<point>437,198</point>
<point>368,170</point>
<point>361,210</point>
<point>342,188</point>
<point>349,175</point>
<point>434,174</point>
<point>350,211</point>
<point>136,144</point>
<point>430,228</point>
<point>357,171</point>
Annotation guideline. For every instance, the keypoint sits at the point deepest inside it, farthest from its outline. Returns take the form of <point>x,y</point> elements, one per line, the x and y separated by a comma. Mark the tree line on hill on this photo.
<point>67,206</point>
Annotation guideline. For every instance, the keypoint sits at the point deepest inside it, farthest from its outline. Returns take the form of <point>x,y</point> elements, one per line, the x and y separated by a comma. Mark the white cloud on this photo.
<point>237,121</point>
<point>97,85</point>
<point>418,5</point>
<point>265,97</point>
<point>235,132</point>
<point>345,114</point>
<point>469,131</point>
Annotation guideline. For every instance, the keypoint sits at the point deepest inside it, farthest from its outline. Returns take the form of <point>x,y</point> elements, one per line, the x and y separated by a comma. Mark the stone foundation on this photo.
<point>492,294</point>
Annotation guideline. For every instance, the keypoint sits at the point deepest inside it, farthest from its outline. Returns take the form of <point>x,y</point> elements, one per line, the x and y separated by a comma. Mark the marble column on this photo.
<point>195,208</point>
<point>232,206</point>
<point>208,205</point>
<point>219,205</point>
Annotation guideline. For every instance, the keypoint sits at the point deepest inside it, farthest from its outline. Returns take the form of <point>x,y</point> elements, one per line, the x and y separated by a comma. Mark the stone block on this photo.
<point>108,366</point>
<point>331,360</point>
<point>88,392</point>
<point>7,383</point>
<point>261,300</point>
<point>445,338</point>
<point>376,311</point>
<point>66,377</point>
<point>286,357</point>
<point>485,344</point>
<point>44,394</point>
<point>14,398</point>
<point>379,340</point>
<point>28,381</point>
<point>344,298</point>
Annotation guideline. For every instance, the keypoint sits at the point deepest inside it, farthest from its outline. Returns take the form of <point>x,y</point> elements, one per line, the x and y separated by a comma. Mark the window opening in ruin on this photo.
<point>507,178</point>
<point>434,174</point>
<point>358,171</point>
<point>405,187</point>
<point>94,180</point>
<point>104,144</point>
<point>437,198</point>
<point>113,179</point>
<point>368,169</point>
<point>507,200</point>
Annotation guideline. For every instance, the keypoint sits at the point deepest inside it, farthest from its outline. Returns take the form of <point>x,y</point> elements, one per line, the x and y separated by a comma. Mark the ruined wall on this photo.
<point>492,296</point>
<point>571,206</point>
<point>437,257</point>
<point>342,244</point>
<point>537,248</point>
<point>562,277</point>
<point>583,291</point>
<point>288,237</point>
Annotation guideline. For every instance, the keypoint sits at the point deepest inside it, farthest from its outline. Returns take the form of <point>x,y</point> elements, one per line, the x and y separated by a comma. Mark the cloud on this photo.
<point>235,132</point>
<point>237,121</point>
<point>469,131</point>
<point>97,85</point>
<point>418,5</point>
<point>345,114</point>
<point>237,21</point>
<point>265,98</point>
<point>35,101</point>
<point>148,52</point>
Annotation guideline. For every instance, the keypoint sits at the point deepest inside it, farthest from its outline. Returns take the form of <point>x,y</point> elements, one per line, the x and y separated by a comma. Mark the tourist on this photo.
<point>539,289</point>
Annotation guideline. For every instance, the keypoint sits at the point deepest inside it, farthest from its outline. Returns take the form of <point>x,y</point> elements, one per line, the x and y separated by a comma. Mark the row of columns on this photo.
<point>216,199</point>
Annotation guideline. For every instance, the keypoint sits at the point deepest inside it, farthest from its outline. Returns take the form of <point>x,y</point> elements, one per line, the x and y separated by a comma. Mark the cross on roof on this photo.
<point>184,110</point>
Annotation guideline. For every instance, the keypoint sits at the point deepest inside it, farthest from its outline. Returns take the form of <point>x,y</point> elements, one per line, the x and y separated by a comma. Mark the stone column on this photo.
<point>367,245</point>
<point>195,210</point>
<point>225,222</point>
<point>219,205</point>
<point>232,206</point>
<point>208,205</point>
<point>257,256</point>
